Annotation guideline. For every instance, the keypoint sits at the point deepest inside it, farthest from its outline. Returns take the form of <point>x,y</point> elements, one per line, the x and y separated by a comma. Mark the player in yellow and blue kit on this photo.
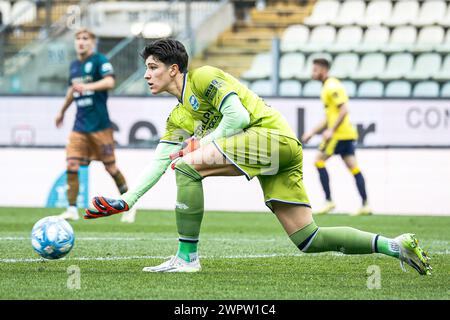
<point>339,135</point>
<point>221,128</point>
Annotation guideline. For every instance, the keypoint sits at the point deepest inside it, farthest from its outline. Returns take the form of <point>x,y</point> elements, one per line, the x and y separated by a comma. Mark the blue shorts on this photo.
<point>340,147</point>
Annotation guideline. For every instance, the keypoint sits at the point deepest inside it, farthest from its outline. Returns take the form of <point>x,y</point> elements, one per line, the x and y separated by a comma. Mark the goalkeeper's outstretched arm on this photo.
<point>152,173</point>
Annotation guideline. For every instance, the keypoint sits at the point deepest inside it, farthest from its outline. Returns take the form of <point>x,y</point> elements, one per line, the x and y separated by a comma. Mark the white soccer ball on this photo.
<point>52,237</point>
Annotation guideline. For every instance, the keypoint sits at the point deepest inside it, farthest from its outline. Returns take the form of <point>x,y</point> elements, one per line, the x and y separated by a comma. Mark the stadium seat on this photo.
<point>290,88</point>
<point>261,67</point>
<point>294,37</point>
<point>398,66</point>
<point>349,13</point>
<point>402,39</point>
<point>429,38</point>
<point>370,89</point>
<point>445,91</point>
<point>426,89</point>
<point>324,11</point>
<point>425,66</point>
<point>312,88</point>
<point>431,12</point>
<point>307,70</point>
<point>350,88</point>
<point>371,66</point>
<point>445,21</point>
<point>444,71</point>
<point>377,12</point>
<point>262,87</point>
<point>444,47</point>
<point>348,38</point>
<point>291,65</point>
<point>5,12</point>
<point>404,12</point>
<point>23,12</point>
<point>321,38</point>
<point>398,89</point>
<point>375,38</point>
<point>344,65</point>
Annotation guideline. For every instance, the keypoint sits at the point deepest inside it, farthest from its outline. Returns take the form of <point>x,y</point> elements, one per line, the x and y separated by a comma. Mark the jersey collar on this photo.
<point>185,75</point>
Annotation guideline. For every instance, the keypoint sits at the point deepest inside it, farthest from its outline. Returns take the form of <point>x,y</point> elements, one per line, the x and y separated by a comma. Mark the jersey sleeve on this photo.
<point>336,93</point>
<point>211,85</point>
<point>175,133</point>
<point>105,67</point>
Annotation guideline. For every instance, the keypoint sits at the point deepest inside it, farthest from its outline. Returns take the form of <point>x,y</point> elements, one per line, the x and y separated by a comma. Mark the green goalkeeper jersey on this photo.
<point>198,111</point>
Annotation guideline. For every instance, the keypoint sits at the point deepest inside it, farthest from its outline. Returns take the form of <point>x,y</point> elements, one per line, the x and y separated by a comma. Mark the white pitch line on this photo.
<point>250,256</point>
<point>147,239</point>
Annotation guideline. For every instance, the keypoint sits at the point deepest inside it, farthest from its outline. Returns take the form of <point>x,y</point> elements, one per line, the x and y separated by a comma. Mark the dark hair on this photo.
<point>322,62</point>
<point>168,51</point>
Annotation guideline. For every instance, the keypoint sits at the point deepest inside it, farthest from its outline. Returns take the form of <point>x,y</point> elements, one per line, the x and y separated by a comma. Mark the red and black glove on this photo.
<point>105,207</point>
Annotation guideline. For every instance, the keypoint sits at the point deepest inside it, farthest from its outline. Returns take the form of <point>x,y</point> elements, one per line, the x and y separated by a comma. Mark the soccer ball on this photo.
<point>52,237</point>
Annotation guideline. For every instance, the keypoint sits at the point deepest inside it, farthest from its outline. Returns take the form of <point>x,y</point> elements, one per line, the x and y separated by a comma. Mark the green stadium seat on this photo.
<point>370,89</point>
<point>444,71</point>
<point>344,65</point>
<point>426,89</point>
<point>425,66</point>
<point>261,67</point>
<point>403,13</point>
<point>377,12</point>
<point>5,12</point>
<point>398,66</point>
<point>294,37</point>
<point>321,38</point>
<point>375,38</point>
<point>312,88</point>
<point>398,89</point>
<point>262,87</point>
<point>291,65</point>
<point>431,12</point>
<point>350,87</point>
<point>429,38</point>
<point>444,47</point>
<point>402,39</point>
<point>349,13</point>
<point>323,12</point>
<point>290,88</point>
<point>348,38</point>
<point>445,91</point>
<point>371,66</point>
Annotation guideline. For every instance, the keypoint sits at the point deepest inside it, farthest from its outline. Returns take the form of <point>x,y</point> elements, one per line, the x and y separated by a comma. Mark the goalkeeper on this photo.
<point>221,128</point>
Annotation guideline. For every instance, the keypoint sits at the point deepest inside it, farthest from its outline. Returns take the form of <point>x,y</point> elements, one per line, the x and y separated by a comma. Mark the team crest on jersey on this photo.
<point>88,67</point>
<point>194,102</point>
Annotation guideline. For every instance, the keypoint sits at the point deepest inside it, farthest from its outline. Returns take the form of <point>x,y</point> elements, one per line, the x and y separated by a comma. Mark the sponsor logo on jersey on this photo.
<point>194,102</point>
<point>88,67</point>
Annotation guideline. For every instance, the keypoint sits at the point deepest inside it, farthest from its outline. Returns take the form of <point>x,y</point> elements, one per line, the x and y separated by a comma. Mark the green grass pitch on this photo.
<point>243,255</point>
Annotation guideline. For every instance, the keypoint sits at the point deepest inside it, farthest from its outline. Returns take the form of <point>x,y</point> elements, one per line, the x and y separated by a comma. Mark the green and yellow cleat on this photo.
<point>412,254</point>
<point>363,211</point>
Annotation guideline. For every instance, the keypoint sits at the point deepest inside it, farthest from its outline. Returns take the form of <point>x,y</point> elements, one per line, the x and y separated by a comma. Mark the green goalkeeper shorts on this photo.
<point>276,160</point>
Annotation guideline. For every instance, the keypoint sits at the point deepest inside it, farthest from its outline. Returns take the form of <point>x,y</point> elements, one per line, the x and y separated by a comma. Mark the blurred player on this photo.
<point>91,76</point>
<point>339,136</point>
<point>230,131</point>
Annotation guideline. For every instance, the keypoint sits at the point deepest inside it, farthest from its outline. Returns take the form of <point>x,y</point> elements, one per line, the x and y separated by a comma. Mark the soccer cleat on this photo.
<point>363,211</point>
<point>71,213</point>
<point>176,264</point>
<point>412,254</point>
<point>129,216</point>
<point>105,207</point>
<point>327,208</point>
